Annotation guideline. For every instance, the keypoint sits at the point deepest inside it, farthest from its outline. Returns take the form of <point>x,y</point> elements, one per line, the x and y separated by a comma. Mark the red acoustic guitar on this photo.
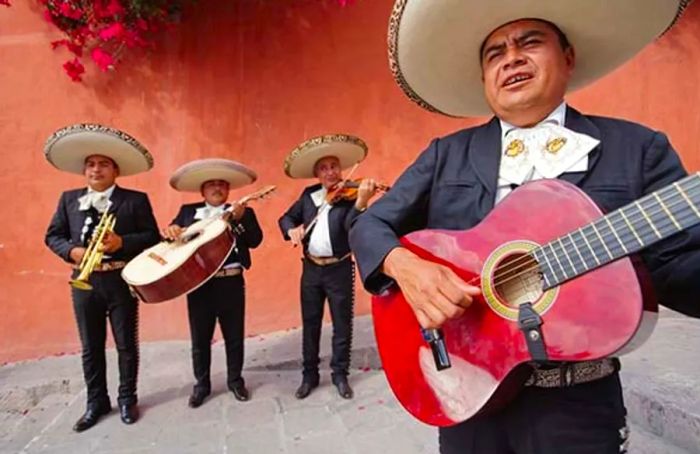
<point>557,284</point>
<point>170,269</point>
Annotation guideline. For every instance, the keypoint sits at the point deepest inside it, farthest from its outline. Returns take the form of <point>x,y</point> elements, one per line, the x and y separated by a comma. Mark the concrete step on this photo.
<point>661,382</point>
<point>644,442</point>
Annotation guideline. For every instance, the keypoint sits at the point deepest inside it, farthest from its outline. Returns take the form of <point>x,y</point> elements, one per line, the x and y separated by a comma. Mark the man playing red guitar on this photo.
<point>518,60</point>
<point>223,296</point>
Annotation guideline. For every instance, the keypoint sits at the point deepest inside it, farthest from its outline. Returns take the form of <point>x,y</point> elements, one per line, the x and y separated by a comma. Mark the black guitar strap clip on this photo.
<point>530,323</point>
<point>436,340</point>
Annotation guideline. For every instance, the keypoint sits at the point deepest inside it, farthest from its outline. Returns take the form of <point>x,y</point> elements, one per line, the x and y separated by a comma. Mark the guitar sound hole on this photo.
<point>517,280</point>
<point>190,236</point>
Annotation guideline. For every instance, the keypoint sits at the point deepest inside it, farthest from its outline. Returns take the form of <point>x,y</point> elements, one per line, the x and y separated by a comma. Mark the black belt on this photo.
<point>325,261</point>
<point>570,374</point>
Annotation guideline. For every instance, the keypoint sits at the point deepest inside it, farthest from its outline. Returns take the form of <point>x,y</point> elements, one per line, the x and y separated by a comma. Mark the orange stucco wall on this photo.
<point>246,80</point>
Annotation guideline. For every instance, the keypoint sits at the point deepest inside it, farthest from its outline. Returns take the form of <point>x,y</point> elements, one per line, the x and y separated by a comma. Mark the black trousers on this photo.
<point>336,283</point>
<point>221,298</point>
<point>110,299</point>
<point>583,419</point>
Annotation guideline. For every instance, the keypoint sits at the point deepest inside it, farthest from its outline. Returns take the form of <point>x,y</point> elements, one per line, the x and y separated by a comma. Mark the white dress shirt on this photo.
<point>320,240</point>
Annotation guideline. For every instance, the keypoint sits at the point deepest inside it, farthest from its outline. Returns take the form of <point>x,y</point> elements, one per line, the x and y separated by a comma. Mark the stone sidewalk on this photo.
<point>40,400</point>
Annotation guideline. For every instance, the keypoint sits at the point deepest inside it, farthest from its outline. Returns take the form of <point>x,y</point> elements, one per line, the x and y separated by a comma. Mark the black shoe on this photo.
<point>91,416</point>
<point>129,413</point>
<point>344,389</point>
<point>240,392</point>
<point>197,398</point>
<point>305,389</point>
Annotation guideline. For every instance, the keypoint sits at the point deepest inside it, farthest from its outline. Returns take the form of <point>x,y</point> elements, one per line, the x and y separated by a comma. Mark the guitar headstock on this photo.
<point>259,194</point>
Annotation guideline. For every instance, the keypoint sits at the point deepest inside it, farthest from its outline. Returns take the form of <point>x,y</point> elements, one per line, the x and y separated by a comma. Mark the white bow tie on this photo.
<point>98,200</point>
<point>547,149</point>
<point>206,212</point>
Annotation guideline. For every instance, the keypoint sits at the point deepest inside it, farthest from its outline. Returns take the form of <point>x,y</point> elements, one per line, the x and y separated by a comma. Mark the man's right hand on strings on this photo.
<point>434,292</point>
<point>171,232</point>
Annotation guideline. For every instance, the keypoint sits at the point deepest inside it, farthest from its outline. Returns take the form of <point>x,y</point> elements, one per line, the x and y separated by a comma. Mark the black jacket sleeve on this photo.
<point>353,213</point>
<point>376,232</point>
<point>58,237</point>
<point>675,262</point>
<point>146,231</point>
<point>251,234</point>
<point>180,218</point>
<point>293,217</point>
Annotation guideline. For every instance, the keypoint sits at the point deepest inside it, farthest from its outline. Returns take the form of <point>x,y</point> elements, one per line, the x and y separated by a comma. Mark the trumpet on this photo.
<point>94,252</point>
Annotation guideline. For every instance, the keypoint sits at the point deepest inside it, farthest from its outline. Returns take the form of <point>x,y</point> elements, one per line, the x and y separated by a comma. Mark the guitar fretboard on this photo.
<point>622,232</point>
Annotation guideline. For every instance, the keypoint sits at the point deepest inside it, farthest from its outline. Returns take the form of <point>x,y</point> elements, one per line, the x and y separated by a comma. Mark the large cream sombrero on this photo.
<point>434,44</point>
<point>68,148</point>
<point>348,149</point>
<point>192,175</point>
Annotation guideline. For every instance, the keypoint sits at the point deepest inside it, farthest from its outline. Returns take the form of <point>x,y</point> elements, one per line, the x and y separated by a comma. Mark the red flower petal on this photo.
<point>74,69</point>
<point>102,59</point>
<point>67,10</point>
<point>116,30</point>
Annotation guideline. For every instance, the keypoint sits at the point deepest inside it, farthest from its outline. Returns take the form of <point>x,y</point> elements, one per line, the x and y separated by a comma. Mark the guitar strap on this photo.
<point>530,323</point>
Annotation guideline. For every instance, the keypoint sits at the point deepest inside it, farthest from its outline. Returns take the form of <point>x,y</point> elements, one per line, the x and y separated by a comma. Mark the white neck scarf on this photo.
<point>98,200</point>
<point>209,211</point>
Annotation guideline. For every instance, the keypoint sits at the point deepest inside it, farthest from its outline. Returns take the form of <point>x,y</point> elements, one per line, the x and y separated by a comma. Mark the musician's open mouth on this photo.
<point>517,79</point>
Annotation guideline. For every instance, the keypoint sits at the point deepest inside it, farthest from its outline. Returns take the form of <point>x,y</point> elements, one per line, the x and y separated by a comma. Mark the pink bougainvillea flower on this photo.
<point>74,48</point>
<point>115,7</point>
<point>102,59</point>
<point>67,10</point>
<point>5,2</point>
<point>114,31</point>
<point>74,69</point>
<point>107,8</point>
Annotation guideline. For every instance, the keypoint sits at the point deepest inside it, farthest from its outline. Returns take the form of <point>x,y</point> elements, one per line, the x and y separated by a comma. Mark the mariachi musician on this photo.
<point>223,296</point>
<point>102,154</point>
<point>519,61</point>
<point>319,222</point>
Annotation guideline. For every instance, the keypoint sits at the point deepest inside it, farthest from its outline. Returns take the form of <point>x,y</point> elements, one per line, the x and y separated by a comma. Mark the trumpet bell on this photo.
<point>80,285</point>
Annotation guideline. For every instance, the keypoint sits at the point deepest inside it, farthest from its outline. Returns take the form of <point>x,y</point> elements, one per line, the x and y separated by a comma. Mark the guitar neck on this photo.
<point>622,232</point>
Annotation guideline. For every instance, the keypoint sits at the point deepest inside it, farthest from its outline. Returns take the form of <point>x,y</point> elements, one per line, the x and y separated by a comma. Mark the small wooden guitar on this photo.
<point>170,269</point>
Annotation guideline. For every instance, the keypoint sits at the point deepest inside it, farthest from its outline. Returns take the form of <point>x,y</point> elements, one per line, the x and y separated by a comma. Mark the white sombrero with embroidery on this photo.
<point>434,44</point>
<point>68,148</point>
<point>191,176</point>
<point>301,161</point>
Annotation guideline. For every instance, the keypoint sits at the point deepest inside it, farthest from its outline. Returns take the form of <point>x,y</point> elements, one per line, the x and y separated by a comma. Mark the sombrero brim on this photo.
<point>434,44</point>
<point>191,176</point>
<point>68,148</point>
<point>301,161</point>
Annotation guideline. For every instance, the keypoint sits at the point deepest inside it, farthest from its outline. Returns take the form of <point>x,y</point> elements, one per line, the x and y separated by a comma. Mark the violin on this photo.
<point>347,190</point>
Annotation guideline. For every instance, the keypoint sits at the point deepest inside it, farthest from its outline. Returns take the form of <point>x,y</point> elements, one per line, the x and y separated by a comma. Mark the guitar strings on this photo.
<point>528,260</point>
